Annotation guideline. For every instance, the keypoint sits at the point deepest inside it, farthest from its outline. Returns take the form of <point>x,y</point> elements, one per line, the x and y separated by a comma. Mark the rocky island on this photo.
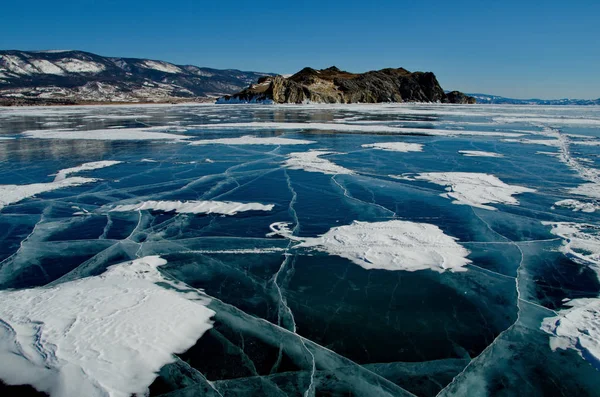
<point>333,85</point>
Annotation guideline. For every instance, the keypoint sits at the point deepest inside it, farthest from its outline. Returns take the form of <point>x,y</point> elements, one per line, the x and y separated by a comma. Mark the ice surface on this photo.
<point>577,328</point>
<point>391,245</point>
<point>123,134</point>
<point>478,153</point>
<point>62,174</point>
<point>106,335</point>
<point>396,146</point>
<point>195,207</point>
<point>252,140</point>
<point>317,306</point>
<point>473,188</point>
<point>311,161</point>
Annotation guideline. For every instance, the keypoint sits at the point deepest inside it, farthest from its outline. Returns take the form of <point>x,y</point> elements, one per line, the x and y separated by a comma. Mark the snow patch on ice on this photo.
<point>105,335</point>
<point>478,153</point>
<point>403,147</point>
<point>581,242</point>
<point>195,207</point>
<point>62,174</point>
<point>125,134</point>
<point>311,161</point>
<point>577,328</point>
<point>339,127</point>
<point>472,188</point>
<point>577,205</point>
<point>10,194</point>
<point>252,140</point>
<point>391,245</point>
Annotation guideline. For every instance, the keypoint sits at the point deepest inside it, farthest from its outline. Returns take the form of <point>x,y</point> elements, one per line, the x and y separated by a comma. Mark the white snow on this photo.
<point>125,134</point>
<point>472,188</point>
<point>312,162</point>
<point>340,127</point>
<point>478,153</point>
<point>195,207</point>
<point>544,142</point>
<point>581,242</point>
<point>10,194</point>
<point>576,328</point>
<point>587,189</point>
<point>62,174</point>
<point>390,245</point>
<point>46,67</point>
<point>105,335</point>
<point>161,66</point>
<point>548,120</point>
<point>395,146</point>
<point>577,205</point>
<point>252,140</point>
<point>73,65</point>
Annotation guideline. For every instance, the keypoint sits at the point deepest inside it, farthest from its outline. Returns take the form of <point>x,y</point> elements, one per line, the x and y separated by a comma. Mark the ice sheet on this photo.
<point>106,335</point>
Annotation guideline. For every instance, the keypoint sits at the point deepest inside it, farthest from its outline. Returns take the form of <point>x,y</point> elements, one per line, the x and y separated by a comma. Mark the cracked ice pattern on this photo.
<point>320,273</point>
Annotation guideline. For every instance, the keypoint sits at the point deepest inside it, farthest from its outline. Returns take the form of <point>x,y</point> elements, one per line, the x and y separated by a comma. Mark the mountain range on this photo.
<point>71,77</point>
<point>494,99</point>
<point>79,77</point>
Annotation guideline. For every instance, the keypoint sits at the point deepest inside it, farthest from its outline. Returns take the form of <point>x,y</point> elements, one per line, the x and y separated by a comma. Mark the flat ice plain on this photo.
<point>261,250</point>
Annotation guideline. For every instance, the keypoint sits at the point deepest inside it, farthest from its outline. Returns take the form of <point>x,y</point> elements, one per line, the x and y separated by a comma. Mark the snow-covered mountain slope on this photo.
<point>494,99</point>
<point>77,76</point>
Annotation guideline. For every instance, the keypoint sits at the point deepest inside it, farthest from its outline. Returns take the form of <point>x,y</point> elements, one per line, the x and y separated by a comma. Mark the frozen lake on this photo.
<point>241,250</point>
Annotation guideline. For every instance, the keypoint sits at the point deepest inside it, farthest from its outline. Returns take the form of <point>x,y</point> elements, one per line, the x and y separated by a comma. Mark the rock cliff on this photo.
<point>333,85</point>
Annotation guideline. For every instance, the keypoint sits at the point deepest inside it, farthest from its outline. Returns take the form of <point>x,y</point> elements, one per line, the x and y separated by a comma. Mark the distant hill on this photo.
<point>494,99</point>
<point>68,77</point>
<point>333,85</point>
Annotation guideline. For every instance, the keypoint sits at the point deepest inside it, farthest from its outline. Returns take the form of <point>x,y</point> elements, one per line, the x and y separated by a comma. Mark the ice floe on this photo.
<point>105,335</point>
<point>340,127</point>
<point>312,162</point>
<point>107,134</point>
<point>195,207</point>
<point>472,188</point>
<point>252,140</point>
<point>577,328</point>
<point>577,205</point>
<point>390,245</point>
<point>478,153</point>
<point>403,147</point>
<point>62,174</point>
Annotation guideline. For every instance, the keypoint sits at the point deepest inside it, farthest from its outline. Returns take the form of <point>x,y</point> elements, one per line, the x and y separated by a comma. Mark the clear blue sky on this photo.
<point>546,49</point>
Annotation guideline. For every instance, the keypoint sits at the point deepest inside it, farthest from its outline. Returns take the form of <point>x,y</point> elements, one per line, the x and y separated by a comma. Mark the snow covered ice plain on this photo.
<point>233,250</point>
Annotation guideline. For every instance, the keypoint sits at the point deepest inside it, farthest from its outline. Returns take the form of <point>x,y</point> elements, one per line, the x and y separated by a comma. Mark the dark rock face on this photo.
<point>333,85</point>
<point>459,97</point>
<point>70,77</point>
